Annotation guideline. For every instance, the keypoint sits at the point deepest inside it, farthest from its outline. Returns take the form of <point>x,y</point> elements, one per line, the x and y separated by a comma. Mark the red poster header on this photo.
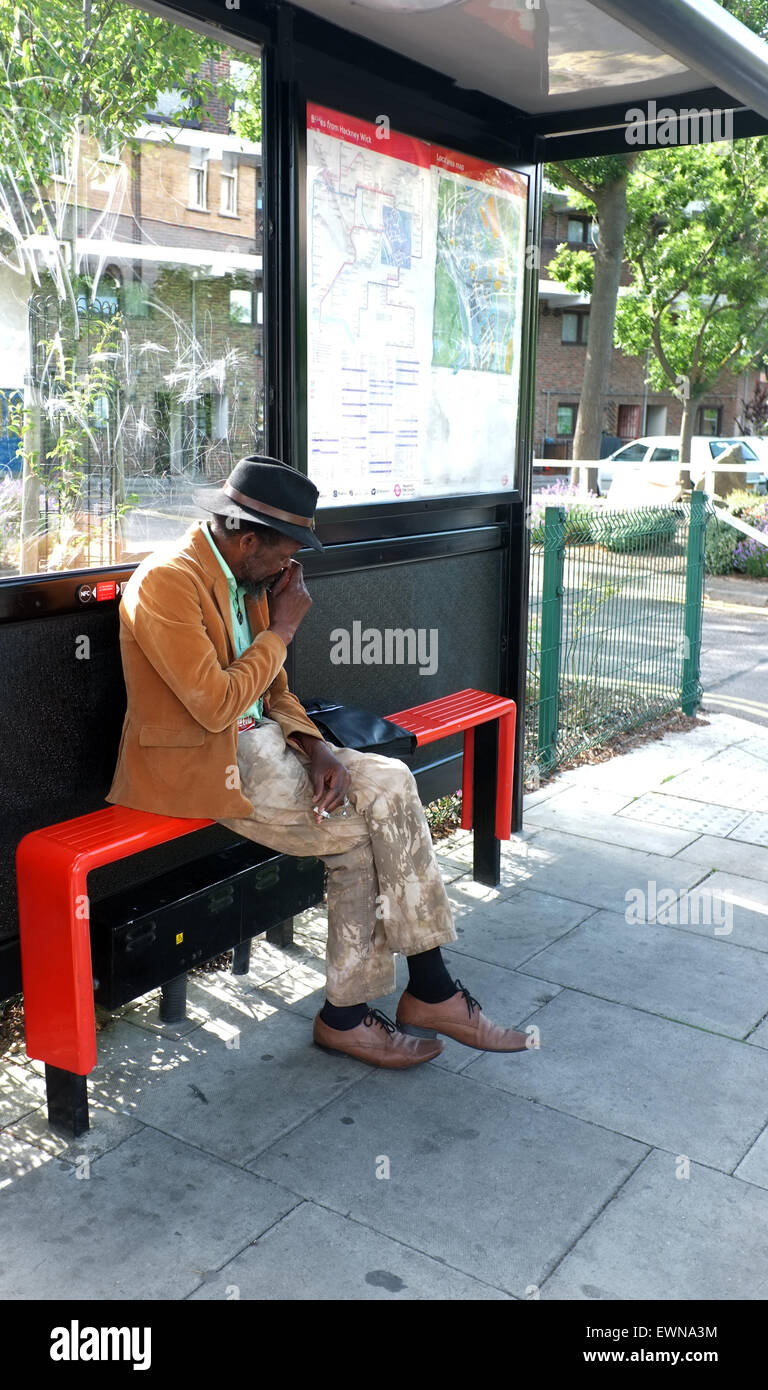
<point>369,135</point>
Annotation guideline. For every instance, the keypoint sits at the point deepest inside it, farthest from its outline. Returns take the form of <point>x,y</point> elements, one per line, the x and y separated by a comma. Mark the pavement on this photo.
<point>734,658</point>
<point>624,1155</point>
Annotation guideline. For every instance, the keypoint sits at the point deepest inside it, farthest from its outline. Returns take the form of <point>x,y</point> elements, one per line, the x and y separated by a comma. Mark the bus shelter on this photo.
<point>342,274</point>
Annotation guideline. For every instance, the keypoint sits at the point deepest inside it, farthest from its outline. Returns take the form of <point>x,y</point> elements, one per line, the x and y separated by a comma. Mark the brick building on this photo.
<point>631,408</point>
<point>160,242</point>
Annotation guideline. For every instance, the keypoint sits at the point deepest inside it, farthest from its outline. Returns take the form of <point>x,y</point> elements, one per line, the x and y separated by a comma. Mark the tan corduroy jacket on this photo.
<point>186,688</point>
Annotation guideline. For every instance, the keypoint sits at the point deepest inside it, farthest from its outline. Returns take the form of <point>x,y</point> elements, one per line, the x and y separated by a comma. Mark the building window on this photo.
<point>198,179</point>
<point>229,184</point>
<point>709,419</point>
<point>566,419</point>
<point>60,163</point>
<point>628,424</point>
<point>110,149</point>
<point>574,328</point>
<point>581,231</point>
<point>241,306</point>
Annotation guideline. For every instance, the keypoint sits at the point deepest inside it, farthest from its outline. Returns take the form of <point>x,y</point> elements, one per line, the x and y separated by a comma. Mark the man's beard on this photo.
<point>255,588</point>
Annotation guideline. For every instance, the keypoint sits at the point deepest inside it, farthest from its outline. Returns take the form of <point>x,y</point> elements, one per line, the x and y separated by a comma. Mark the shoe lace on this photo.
<point>376,1016</point>
<point>468,999</point>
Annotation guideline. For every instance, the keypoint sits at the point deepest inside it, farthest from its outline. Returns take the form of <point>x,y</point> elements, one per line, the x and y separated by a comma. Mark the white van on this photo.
<point>665,448</point>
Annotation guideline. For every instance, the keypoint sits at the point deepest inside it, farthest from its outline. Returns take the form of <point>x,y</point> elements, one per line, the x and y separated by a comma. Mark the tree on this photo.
<point>697,244</point>
<point>601,183</point>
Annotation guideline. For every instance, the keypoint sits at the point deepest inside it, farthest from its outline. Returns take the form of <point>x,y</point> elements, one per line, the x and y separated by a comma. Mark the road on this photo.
<point>734,659</point>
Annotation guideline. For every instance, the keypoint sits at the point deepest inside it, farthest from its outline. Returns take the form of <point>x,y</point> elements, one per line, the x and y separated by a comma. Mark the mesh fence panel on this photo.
<point>607,636</point>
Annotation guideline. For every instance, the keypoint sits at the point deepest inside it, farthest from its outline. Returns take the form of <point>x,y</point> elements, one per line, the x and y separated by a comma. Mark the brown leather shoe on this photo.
<point>459,1017</point>
<point>376,1041</point>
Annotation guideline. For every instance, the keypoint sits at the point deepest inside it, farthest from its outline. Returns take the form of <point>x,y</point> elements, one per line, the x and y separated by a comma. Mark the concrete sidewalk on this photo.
<point>625,1157</point>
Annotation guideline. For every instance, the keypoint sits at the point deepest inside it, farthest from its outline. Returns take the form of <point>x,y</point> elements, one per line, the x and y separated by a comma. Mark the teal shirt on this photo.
<point>240,625</point>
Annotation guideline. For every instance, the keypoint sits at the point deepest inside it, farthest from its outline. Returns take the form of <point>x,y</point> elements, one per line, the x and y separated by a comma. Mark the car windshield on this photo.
<point>719,446</point>
<point>631,453</point>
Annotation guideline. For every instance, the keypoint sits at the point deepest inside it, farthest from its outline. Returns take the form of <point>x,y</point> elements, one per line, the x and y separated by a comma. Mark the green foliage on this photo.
<point>719,544</point>
<point>576,269</point>
<point>444,815</point>
<point>591,174</point>
<point>96,68</point>
<point>697,244</point>
<point>641,530</point>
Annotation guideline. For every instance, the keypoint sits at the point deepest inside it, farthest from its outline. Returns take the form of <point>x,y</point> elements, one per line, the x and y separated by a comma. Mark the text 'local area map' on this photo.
<point>415,300</point>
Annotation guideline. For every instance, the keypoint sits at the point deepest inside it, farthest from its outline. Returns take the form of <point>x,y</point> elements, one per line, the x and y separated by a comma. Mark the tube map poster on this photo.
<point>414,303</point>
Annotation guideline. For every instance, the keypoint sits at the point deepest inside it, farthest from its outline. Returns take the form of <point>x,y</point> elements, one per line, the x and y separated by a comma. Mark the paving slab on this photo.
<point>575,797</point>
<point>510,931</point>
<point>732,856</point>
<point>595,875</point>
<point>732,777</point>
<point>22,1090</point>
<point>153,1216</point>
<point>658,808</point>
<point>666,1084</point>
<point>494,1185</point>
<point>108,1129</point>
<point>709,983</point>
<point>290,1261</point>
<point>754,1165</point>
<point>229,1100</point>
<point>760,1035</point>
<point>671,1238</point>
<point>737,906</point>
<point>753,828</point>
<point>610,829</point>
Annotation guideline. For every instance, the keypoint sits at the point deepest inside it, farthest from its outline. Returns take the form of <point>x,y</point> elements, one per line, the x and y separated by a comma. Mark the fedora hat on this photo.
<point>269,492</point>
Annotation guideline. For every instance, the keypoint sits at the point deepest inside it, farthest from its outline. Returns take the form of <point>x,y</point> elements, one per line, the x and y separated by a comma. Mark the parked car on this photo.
<point>665,448</point>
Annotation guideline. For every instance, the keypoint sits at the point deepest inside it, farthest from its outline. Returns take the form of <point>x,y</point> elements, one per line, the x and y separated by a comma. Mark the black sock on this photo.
<point>343,1016</point>
<point>428,978</point>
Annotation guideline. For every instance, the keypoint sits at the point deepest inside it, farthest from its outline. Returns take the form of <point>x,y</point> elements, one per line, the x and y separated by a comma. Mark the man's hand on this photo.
<point>330,779</point>
<point>289,601</point>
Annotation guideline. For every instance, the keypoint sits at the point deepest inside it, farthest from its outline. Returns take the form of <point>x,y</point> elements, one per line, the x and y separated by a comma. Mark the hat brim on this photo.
<point>215,500</point>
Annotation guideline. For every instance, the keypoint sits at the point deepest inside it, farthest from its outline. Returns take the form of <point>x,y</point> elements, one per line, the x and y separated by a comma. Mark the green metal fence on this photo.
<point>614,634</point>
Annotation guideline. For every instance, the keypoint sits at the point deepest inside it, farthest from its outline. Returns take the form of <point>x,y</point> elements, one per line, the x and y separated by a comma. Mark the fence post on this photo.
<point>690,695</point>
<point>552,590</point>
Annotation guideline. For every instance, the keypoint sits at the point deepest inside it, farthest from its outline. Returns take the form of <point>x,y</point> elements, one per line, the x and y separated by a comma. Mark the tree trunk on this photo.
<point>611,204</point>
<point>686,434</point>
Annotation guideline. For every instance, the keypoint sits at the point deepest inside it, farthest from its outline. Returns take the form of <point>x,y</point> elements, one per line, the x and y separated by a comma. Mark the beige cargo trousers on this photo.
<point>385,893</point>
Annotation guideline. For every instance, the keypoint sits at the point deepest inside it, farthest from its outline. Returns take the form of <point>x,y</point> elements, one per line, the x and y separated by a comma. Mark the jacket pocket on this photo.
<point>151,735</point>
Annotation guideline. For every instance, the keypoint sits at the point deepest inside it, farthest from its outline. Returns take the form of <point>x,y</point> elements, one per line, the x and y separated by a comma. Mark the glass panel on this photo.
<point>131,366</point>
<point>576,228</point>
<point>632,453</point>
<point>665,455</point>
<point>570,328</point>
<point>415,289</point>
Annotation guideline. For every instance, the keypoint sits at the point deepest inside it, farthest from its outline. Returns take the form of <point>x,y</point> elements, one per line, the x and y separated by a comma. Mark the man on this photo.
<point>212,730</point>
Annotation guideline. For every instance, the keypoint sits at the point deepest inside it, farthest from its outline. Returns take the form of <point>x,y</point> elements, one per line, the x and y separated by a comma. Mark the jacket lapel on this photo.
<point>218,581</point>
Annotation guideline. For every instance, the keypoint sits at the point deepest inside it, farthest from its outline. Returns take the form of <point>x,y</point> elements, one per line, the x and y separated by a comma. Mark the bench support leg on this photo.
<point>67,1097</point>
<point>241,958</point>
<point>173,1000</point>
<point>486,850</point>
<point>282,934</point>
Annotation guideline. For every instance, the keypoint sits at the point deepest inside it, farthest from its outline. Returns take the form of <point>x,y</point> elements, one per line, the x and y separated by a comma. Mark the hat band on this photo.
<point>267,509</point>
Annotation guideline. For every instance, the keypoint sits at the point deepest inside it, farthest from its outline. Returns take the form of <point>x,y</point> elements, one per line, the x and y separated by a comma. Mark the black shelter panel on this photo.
<point>393,636</point>
<point>62,717</point>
